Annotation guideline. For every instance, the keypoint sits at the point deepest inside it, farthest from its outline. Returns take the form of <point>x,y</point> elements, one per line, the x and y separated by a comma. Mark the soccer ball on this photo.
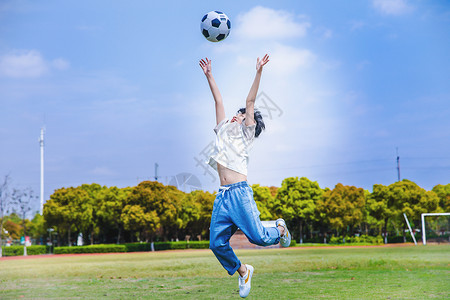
<point>215,26</point>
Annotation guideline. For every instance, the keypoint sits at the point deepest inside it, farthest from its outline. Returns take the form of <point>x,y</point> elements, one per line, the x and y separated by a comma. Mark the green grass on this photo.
<point>412,272</point>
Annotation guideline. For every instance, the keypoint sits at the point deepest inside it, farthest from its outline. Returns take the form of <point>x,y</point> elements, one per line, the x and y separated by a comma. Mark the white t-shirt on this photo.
<point>233,143</point>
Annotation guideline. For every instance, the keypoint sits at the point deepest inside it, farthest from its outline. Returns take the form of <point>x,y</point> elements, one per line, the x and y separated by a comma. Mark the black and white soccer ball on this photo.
<point>215,26</point>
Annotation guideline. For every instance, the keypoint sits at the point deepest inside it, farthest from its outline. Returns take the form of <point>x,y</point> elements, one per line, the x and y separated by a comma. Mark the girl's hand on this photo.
<point>206,66</point>
<point>260,63</point>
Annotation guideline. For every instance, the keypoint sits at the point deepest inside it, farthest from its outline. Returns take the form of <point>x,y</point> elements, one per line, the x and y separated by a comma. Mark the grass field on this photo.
<point>410,272</point>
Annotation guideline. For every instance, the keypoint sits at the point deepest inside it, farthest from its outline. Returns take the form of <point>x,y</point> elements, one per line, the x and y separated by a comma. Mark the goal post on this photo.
<point>410,230</point>
<point>424,236</point>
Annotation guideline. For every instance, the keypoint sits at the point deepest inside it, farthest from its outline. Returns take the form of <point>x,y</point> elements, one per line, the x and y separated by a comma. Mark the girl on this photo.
<point>234,206</point>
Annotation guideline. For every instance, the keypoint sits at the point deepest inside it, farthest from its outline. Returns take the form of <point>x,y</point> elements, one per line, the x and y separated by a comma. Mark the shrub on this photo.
<point>138,247</point>
<point>363,239</point>
<point>181,245</point>
<point>336,240</point>
<point>110,248</point>
<point>314,240</point>
<point>399,238</point>
<point>18,250</point>
<point>198,245</point>
<point>37,250</point>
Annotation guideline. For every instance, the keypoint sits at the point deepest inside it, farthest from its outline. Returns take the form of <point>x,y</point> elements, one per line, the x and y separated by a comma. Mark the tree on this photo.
<point>5,200</point>
<point>90,224</point>
<point>68,209</point>
<point>342,207</point>
<point>443,192</point>
<point>22,199</point>
<point>12,225</point>
<point>170,203</point>
<point>296,201</point>
<point>264,201</point>
<point>381,206</point>
<point>110,209</point>
<point>143,207</point>
<point>196,212</point>
<point>37,227</point>
<point>407,197</point>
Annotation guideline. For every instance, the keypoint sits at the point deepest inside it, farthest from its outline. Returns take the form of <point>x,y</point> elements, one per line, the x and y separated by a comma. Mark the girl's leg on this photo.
<point>221,230</point>
<point>246,216</point>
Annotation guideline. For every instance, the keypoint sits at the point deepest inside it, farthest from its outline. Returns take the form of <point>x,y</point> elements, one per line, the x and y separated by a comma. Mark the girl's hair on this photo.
<point>258,119</point>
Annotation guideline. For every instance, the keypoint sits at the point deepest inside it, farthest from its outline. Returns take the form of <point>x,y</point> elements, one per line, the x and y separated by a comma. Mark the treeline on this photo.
<point>147,212</point>
<point>151,211</point>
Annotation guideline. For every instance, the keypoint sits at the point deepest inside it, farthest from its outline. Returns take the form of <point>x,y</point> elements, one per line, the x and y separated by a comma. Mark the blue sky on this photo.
<point>118,87</point>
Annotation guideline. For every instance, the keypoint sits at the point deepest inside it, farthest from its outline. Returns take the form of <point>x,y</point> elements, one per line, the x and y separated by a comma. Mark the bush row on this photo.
<point>18,250</point>
<point>132,247</point>
<point>363,239</point>
<point>109,248</point>
<point>135,247</point>
<point>157,246</point>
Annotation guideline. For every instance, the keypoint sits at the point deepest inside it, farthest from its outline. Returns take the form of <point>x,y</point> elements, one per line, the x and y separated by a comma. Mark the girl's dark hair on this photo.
<point>258,119</point>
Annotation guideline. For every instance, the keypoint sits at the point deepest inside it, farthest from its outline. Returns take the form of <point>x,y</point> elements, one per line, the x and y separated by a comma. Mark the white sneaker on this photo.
<point>245,282</point>
<point>285,240</point>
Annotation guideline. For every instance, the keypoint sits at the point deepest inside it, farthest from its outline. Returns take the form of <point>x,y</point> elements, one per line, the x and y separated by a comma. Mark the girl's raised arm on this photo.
<point>251,98</point>
<point>205,64</point>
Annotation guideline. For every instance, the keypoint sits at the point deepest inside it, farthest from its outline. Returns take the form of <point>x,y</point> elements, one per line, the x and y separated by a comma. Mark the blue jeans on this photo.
<point>235,208</point>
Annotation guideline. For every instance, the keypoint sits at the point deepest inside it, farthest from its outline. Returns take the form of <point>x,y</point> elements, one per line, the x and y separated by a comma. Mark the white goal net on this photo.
<point>435,228</point>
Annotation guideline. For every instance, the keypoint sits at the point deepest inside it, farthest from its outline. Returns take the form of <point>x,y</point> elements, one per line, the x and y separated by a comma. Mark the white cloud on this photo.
<point>265,23</point>
<point>290,59</point>
<point>28,64</point>
<point>23,64</point>
<point>392,7</point>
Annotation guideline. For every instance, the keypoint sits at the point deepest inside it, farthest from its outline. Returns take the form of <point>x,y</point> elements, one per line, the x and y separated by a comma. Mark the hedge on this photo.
<point>18,250</point>
<point>363,239</point>
<point>136,247</point>
<point>133,247</point>
<point>181,245</point>
<point>109,248</point>
<point>399,238</point>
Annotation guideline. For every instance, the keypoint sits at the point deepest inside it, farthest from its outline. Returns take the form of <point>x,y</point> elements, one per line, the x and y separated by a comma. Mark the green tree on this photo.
<point>264,201</point>
<point>196,212</point>
<point>381,206</point>
<point>296,201</point>
<point>37,227</point>
<point>167,202</point>
<point>144,211</point>
<point>90,219</point>
<point>443,192</point>
<point>171,207</point>
<point>407,197</point>
<point>110,209</point>
<point>342,207</point>
<point>68,209</point>
<point>140,220</point>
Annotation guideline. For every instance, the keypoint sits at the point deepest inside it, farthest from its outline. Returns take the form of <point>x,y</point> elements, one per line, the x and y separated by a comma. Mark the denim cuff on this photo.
<point>231,273</point>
